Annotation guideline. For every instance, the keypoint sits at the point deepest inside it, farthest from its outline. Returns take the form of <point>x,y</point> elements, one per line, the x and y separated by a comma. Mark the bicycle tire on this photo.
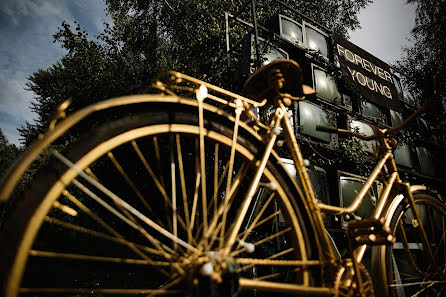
<point>60,240</point>
<point>408,272</point>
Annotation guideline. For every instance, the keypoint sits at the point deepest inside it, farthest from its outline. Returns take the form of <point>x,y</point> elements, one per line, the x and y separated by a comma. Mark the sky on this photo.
<point>26,44</point>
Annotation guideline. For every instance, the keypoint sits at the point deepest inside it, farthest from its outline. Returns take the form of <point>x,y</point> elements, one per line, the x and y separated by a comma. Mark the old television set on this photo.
<point>396,118</point>
<point>403,155</point>
<point>291,30</point>
<point>427,161</point>
<point>365,129</point>
<point>319,182</point>
<point>408,97</point>
<point>309,115</point>
<point>268,53</point>
<point>398,87</point>
<point>349,186</point>
<point>325,85</point>
<point>370,110</point>
<point>315,39</point>
<point>423,127</point>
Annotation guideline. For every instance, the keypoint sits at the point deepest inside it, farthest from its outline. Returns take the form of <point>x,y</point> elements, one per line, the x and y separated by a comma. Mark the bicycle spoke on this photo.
<point>194,203</point>
<point>225,205</point>
<point>100,221</point>
<point>221,208</point>
<point>269,258</point>
<point>168,285</point>
<point>100,291</point>
<point>202,165</point>
<point>158,160</point>
<point>183,184</point>
<point>70,256</point>
<point>129,181</point>
<point>252,226</point>
<point>237,252</point>
<point>174,191</point>
<point>101,235</point>
<point>158,184</point>
<point>216,180</point>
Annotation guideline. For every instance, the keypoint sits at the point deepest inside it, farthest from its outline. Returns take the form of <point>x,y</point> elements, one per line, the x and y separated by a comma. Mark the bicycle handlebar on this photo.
<point>345,132</point>
<point>396,129</point>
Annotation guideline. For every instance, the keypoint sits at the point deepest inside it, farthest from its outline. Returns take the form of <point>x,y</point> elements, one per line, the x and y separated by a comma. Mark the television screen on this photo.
<point>397,83</point>
<point>349,187</point>
<point>403,155</point>
<point>423,127</point>
<point>291,30</point>
<point>318,178</point>
<point>271,53</point>
<point>311,115</point>
<point>371,110</point>
<point>408,97</point>
<point>317,41</point>
<point>427,162</point>
<point>325,85</point>
<point>396,118</point>
<point>367,130</point>
<point>268,53</point>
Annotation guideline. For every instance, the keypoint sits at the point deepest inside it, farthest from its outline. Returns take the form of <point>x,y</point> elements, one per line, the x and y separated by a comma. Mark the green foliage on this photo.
<point>8,153</point>
<point>425,58</point>
<point>147,37</point>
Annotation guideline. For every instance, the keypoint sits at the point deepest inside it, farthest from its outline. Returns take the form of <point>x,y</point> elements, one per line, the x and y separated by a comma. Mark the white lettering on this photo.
<point>370,83</point>
<point>358,74</point>
<point>388,76</point>
<point>340,50</point>
<point>387,92</point>
<point>378,87</point>
<point>381,73</point>
<point>368,66</point>
<point>358,59</point>
<point>351,58</point>
<point>352,72</point>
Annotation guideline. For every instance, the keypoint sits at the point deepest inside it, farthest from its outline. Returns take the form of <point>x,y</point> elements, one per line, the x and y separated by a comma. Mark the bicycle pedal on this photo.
<point>369,231</point>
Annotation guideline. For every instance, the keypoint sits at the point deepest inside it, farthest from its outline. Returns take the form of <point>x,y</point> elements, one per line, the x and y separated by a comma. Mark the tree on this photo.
<point>8,153</point>
<point>425,58</point>
<point>147,37</point>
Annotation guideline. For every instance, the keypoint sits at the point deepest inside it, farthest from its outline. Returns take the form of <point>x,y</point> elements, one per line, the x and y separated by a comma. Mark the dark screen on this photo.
<point>403,155</point>
<point>325,85</point>
<point>427,162</point>
<point>311,115</point>
<point>291,30</point>
<point>371,110</point>
<point>350,187</point>
<point>316,41</point>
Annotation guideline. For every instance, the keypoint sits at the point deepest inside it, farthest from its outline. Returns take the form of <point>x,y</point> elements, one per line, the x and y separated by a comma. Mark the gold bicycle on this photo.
<point>187,196</point>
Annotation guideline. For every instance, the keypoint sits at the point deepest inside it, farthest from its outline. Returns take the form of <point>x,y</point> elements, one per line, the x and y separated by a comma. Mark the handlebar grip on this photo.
<point>326,129</point>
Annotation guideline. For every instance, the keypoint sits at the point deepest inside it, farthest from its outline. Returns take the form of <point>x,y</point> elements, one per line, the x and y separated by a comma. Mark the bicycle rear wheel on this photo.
<point>127,210</point>
<point>405,266</point>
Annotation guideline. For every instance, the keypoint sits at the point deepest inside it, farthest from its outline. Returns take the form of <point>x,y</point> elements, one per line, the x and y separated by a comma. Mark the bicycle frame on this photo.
<point>386,166</point>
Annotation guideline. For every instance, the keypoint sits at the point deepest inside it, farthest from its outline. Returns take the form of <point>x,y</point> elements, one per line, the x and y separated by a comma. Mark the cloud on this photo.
<point>15,103</point>
<point>17,8</point>
<point>26,29</point>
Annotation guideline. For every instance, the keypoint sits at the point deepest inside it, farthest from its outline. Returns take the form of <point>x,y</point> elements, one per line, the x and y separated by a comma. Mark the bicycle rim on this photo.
<point>142,219</point>
<point>407,266</point>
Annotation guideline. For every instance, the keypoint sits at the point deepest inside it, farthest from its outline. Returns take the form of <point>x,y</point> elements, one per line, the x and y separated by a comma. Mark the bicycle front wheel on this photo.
<point>406,267</point>
<point>129,210</point>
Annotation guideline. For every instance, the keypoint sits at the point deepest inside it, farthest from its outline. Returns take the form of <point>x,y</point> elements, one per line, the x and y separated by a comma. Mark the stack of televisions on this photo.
<point>308,44</point>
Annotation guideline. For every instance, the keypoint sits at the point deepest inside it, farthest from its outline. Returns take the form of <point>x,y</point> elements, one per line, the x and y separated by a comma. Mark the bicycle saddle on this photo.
<point>279,78</point>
